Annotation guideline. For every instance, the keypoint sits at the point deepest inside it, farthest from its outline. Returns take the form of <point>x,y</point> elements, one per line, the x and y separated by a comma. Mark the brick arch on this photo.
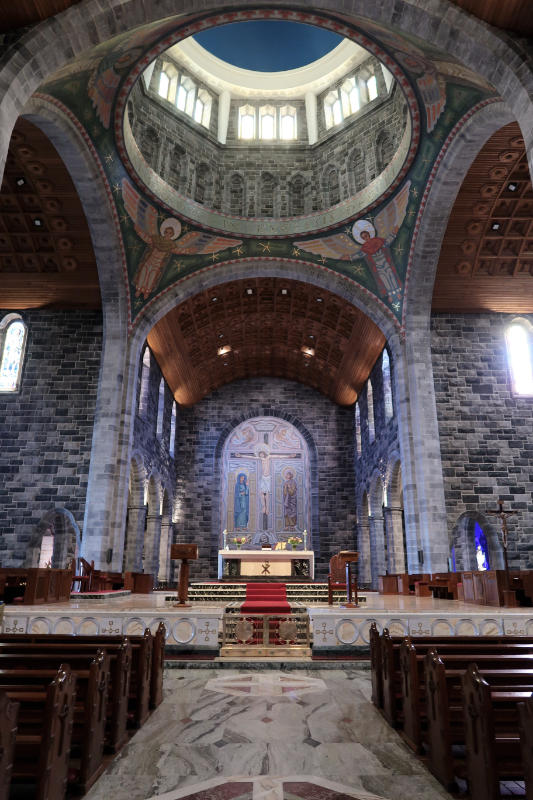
<point>276,413</point>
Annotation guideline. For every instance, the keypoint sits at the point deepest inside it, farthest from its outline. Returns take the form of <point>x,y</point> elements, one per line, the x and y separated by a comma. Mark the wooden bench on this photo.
<point>8,733</point>
<point>42,742</point>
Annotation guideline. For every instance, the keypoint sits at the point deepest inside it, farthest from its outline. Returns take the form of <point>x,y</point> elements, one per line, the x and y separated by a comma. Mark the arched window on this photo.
<point>372,88</point>
<point>185,95</point>
<point>47,549</point>
<point>13,334</point>
<point>351,102</point>
<point>164,85</point>
<point>387,386</point>
<point>160,408</point>
<point>202,108</point>
<point>520,356</point>
<point>357,430</point>
<point>332,109</point>
<point>267,122</point>
<point>331,187</point>
<point>481,548</point>
<point>172,440</point>
<point>145,384</point>
<point>246,122</point>
<point>370,412</point>
<point>384,150</point>
<point>287,116</point>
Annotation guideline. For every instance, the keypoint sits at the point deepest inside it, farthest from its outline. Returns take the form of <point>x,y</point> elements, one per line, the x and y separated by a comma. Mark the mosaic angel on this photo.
<point>372,241</point>
<point>164,242</point>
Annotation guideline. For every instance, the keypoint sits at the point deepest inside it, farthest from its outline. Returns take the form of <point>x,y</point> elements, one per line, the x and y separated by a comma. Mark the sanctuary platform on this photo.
<point>333,628</point>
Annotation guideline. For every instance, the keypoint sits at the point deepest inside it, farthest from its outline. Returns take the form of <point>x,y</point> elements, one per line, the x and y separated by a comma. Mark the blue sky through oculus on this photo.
<point>268,45</point>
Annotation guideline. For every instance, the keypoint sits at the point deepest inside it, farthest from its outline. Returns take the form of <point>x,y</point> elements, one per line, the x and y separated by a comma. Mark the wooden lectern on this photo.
<point>185,552</point>
<point>349,557</point>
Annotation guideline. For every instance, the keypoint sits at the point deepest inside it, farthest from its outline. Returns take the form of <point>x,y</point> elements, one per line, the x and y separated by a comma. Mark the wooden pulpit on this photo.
<point>185,552</point>
<point>349,557</point>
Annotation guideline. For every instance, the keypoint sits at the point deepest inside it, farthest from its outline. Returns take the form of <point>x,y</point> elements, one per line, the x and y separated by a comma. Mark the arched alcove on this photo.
<point>265,482</point>
<point>474,536</point>
<point>61,525</point>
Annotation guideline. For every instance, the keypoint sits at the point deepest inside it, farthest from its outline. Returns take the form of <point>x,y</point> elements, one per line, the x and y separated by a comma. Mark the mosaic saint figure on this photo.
<point>290,501</point>
<point>372,241</point>
<point>162,244</point>
<point>241,507</point>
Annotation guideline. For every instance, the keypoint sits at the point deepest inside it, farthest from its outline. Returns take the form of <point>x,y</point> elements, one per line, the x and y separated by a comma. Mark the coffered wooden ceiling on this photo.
<point>46,254</point>
<point>486,261</point>
<point>266,322</point>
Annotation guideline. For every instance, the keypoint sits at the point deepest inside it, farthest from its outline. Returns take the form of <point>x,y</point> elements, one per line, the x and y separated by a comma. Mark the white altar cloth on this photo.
<point>279,559</point>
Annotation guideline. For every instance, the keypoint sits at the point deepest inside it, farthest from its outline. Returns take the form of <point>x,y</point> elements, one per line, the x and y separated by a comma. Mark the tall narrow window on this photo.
<point>185,95</point>
<point>13,334</point>
<point>145,384</point>
<point>357,430</point>
<point>350,97</point>
<point>329,102</point>
<point>160,409</point>
<point>47,549</point>
<point>246,122</point>
<point>370,412</point>
<point>372,88</point>
<point>387,386</point>
<point>287,116</point>
<point>164,85</point>
<point>172,440</point>
<point>520,355</point>
<point>202,108</point>
<point>267,122</point>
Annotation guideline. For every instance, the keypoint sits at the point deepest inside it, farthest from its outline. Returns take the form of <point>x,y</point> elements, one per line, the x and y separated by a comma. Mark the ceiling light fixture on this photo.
<point>308,351</point>
<point>20,181</point>
<point>38,222</point>
<point>249,291</point>
<point>214,299</point>
<point>320,299</point>
<point>512,187</point>
<point>224,350</point>
<point>495,226</point>
<point>284,291</point>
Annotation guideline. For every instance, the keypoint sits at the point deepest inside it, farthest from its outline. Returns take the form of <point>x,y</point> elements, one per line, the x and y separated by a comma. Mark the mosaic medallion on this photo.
<point>256,685</point>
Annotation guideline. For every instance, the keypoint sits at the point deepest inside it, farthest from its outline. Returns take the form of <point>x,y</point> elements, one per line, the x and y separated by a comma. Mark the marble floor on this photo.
<point>266,735</point>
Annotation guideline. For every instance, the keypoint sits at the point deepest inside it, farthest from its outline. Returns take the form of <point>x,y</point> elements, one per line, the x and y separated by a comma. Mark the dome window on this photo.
<point>372,88</point>
<point>246,122</point>
<point>185,95</point>
<point>287,123</point>
<point>164,85</point>
<point>267,122</point>
<point>202,108</point>
<point>351,102</point>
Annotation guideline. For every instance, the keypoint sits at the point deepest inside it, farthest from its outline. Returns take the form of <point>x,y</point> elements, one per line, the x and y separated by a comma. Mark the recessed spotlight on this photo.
<point>20,181</point>
<point>249,291</point>
<point>512,187</point>
<point>38,222</point>
<point>308,351</point>
<point>311,336</point>
<point>225,363</point>
<point>220,335</point>
<point>224,350</point>
<point>495,226</point>
<point>284,291</point>
<point>319,299</point>
<point>214,299</point>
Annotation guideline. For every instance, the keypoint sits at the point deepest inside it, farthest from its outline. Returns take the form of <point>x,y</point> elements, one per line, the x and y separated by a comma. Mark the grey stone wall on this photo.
<point>202,430</point>
<point>486,433</point>
<point>278,179</point>
<point>46,428</point>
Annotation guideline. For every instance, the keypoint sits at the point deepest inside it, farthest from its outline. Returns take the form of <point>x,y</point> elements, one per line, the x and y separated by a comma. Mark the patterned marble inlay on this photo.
<point>266,685</point>
<point>266,787</point>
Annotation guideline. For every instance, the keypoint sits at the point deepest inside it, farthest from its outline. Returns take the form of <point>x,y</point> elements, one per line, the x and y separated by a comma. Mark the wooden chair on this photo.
<point>337,577</point>
<point>83,577</point>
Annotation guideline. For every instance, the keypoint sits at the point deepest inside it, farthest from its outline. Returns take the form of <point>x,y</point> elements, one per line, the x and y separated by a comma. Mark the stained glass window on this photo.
<point>145,383</point>
<point>160,409</point>
<point>482,549</point>
<point>357,430</point>
<point>370,412</point>
<point>519,351</point>
<point>387,386</point>
<point>12,345</point>
<point>172,442</point>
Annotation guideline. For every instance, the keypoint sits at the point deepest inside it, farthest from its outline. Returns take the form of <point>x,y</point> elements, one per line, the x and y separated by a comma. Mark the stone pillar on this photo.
<point>311,117</point>
<point>164,551</point>
<point>151,544</point>
<point>394,535</point>
<point>377,548</point>
<point>423,486</point>
<point>133,555</point>
<point>224,102</point>
<point>363,546</point>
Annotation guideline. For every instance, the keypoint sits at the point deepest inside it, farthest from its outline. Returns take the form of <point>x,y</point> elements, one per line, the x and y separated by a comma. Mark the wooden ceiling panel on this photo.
<point>486,261</point>
<point>511,15</point>
<point>273,327</point>
<point>46,254</point>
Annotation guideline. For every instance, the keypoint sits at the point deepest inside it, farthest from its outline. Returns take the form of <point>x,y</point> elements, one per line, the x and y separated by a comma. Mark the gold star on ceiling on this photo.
<point>322,259</point>
<point>109,158</point>
<point>124,218</point>
<point>116,188</point>
<point>296,251</point>
<point>414,191</point>
<point>238,251</point>
<point>398,250</point>
<point>359,270</point>
<point>265,246</point>
<point>214,257</point>
<point>396,306</point>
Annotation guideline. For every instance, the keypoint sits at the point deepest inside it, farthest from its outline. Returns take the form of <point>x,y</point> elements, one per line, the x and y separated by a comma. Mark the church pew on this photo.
<point>120,657</point>
<point>147,654</point>
<point>8,732</point>
<point>413,680</point>
<point>42,743</point>
<point>22,671</point>
<point>494,752</point>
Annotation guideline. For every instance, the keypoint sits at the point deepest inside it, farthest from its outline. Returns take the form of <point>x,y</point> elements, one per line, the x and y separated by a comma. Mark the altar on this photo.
<point>266,564</point>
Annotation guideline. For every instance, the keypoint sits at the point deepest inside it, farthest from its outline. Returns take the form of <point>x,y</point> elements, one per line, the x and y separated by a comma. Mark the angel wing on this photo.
<point>433,90</point>
<point>393,214</point>
<point>341,247</point>
<point>101,89</point>
<point>142,213</point>
<point>197,242</point>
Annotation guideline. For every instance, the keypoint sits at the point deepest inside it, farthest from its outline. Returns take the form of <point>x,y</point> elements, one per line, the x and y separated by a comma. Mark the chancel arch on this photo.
<point>266,482</point>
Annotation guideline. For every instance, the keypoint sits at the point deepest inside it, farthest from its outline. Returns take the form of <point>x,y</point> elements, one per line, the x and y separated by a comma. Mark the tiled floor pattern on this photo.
<point>266,735</point>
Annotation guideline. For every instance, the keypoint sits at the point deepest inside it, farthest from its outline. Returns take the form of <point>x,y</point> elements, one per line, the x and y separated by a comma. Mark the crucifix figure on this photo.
<point>499,512</point>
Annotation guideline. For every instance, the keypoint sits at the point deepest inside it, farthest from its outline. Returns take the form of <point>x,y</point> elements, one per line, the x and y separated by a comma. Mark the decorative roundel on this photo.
<point>171,224</point>
<point>359,227</point>
<point>346,631</point>
<point>184,631</point>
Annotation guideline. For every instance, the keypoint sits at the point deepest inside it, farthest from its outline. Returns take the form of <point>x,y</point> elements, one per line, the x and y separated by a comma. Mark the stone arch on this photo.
<point>149,146</point>
<point>356,171</point>
<point>297,195</point>
<point>394,517</point>
<point>153,525</point>
<point>203,184</point>
<point>462,541</point>
<point>223,439</point>
<point>363,540</point>
<point>135,517</point>
<point>378,543</point>
<point>176,171</point>
<point>67,538</point>
<point>236,194</point>
<point>269,205</point>
<point>164,566</point>
<point>384,150</point>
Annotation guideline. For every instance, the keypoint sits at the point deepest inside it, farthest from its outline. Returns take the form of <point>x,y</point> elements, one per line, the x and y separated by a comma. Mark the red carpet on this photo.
<point>266,598</point>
